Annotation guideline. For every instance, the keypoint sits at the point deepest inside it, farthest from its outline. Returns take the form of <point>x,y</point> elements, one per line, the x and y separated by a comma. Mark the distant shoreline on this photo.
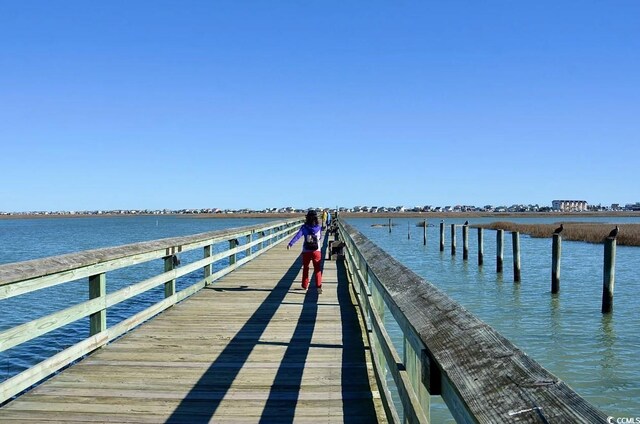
<point>382,215</point>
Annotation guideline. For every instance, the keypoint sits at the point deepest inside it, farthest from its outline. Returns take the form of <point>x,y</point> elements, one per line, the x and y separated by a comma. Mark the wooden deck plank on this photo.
<point>253,346</point>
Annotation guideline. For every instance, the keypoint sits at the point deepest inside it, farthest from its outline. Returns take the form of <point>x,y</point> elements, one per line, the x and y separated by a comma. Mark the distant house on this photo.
<point>569,205</point>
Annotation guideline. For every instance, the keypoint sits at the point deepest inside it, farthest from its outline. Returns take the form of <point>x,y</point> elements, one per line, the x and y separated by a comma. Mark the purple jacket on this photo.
<point>305,230</point>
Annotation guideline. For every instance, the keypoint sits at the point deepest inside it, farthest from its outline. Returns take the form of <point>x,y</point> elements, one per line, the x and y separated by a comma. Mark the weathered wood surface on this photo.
<point>252,347</point>
<point>484,377</point>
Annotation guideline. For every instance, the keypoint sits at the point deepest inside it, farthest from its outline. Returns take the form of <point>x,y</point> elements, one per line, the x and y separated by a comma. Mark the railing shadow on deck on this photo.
<point>191,409</point>
<point>289,375</point>
<point>356,406</point>
<point>353,351</point>
<point>285,390</point>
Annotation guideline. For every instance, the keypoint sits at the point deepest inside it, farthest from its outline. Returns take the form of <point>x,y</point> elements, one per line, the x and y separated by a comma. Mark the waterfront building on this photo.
<point>569,205</point>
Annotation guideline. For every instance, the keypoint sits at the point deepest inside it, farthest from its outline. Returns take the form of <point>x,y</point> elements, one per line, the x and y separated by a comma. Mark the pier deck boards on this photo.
<point>252,347</point>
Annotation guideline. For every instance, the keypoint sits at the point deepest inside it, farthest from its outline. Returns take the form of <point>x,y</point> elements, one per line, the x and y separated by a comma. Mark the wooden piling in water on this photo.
<point>424,233</point>
<point>389,224</point>
<point>499,249</point>
<point>408,231</point>
<point>442,236</point>
<point>609,275</point>
<point>556,255</point>
<point>453,239</point>
<point>515,239</point>
<point>480,247</point>
<point>465,242</point>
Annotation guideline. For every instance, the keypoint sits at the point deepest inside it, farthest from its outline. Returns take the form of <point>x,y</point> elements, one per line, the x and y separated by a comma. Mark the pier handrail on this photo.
<point>25,277</point>
<point>481,376</point>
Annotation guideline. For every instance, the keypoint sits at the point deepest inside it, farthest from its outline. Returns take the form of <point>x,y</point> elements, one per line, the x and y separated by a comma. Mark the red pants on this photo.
<point>315,258</point>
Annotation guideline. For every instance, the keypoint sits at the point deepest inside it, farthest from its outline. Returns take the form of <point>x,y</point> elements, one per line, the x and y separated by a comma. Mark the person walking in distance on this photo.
<point>324,219</point>
<point>311,231</point>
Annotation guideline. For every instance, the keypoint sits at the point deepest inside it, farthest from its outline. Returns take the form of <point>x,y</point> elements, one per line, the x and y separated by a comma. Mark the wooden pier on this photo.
<point>253,347</point>
<point>245,343</point>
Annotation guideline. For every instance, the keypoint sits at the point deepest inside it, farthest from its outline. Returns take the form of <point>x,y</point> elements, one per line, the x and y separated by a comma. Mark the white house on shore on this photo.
<point>569,205</point>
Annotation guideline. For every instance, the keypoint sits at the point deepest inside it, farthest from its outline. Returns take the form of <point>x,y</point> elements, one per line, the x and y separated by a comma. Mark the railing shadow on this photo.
<point>284,394</point>
<point>285,391</point>
<point>223,371</point>
<point>357,401</point>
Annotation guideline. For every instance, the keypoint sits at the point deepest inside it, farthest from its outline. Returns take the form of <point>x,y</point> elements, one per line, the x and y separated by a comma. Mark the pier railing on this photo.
<point>446,351</point>
<point>25,277</point>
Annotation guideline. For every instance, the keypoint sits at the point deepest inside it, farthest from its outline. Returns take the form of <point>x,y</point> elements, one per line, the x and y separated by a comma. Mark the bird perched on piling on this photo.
<point>614,233</point>
<point>559,229</point>
<point>466,223</point>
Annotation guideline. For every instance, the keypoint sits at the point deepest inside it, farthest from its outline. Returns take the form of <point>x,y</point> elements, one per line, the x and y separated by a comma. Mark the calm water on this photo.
<point>567,334</point>
<point>596,355</point>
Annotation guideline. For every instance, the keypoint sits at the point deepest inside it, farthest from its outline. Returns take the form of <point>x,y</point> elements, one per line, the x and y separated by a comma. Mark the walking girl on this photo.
<point>311,231</point>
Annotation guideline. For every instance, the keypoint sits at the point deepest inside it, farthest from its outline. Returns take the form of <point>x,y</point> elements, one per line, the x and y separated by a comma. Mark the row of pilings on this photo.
<point>609,262</point>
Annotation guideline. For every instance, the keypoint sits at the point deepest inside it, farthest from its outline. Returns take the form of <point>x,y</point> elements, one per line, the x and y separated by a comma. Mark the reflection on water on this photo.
<point>566,333</point>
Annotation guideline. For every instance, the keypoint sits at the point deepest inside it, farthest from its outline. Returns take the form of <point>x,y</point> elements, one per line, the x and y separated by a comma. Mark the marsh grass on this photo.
<point>590,232</point>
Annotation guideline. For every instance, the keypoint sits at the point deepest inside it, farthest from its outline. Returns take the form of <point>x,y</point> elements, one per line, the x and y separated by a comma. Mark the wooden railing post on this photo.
<point>248,251</point>
<point>499,249</point>
<point>515,239</point>
<point>609,274</point>
<point>98,288</point>
<point>233,243</point>
<point>208,269</point>
<point>480,247</point>
<point>169,286</point>
<point>365,291</point>
<point>556,255</point>
<point>416,370</point>
<point>377,310</point>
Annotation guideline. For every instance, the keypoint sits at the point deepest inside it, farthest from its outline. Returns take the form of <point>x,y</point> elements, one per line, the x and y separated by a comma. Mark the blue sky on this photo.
<point>233,104</point>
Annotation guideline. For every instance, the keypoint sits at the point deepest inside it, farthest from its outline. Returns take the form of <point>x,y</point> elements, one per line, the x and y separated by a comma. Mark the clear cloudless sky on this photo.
<point>256,104</point>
